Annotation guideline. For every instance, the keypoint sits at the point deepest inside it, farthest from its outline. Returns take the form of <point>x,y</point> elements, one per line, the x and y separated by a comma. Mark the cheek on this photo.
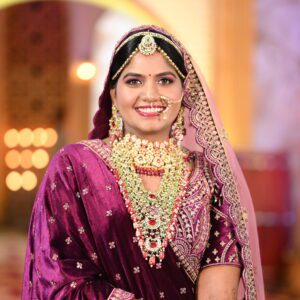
<point>174,93</point>
<point>125,98</point>
<point>173,113</point>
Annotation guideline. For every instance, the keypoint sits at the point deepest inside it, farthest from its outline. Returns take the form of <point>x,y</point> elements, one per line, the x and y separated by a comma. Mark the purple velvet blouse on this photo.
<point>82,244</point>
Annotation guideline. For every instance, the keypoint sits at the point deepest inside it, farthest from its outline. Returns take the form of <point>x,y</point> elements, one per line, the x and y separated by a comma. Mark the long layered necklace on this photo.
<point>153,213</point>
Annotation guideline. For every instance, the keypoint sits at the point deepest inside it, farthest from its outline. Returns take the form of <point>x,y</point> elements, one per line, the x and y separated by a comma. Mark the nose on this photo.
<point>150,92</point>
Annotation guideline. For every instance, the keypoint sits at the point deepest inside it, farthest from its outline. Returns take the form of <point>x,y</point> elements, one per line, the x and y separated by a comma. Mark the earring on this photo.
<point>178,130</point>
<point>115,125</point>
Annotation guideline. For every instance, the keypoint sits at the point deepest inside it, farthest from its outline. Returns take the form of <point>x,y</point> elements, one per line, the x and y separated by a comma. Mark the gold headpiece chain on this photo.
<point>148,33</point>
<point>148,46</point>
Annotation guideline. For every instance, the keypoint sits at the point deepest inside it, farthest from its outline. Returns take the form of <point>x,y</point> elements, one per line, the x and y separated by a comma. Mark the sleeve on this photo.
<point>223,247</point>
<point>61,258</point>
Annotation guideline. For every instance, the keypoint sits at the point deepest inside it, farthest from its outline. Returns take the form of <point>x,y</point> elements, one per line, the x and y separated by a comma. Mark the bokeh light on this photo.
<point>40,159</point>
<point>11,138</point>
<point>29,180</point>
<point>14,181</point>
<point>86,71</point>
<point>26,159</point>
<point>13,159</point>
<point>25,137</point>
<point>51,137</point>
<point>39,137</point>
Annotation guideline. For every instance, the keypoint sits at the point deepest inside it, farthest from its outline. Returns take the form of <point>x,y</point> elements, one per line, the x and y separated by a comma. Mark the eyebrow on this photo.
<point>157,75</point>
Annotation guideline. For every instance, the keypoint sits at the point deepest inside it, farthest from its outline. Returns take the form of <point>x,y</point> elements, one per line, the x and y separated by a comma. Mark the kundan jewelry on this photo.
<point>153,213</point>
<point>115,124</point>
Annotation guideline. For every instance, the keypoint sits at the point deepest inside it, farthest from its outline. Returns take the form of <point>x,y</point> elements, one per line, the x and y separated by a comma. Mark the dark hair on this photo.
<point>131,45</point>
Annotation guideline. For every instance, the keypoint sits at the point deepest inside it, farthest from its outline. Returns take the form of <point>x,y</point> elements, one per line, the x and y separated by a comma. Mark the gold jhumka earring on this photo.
<point>115,125</point>
<point>178,130</point>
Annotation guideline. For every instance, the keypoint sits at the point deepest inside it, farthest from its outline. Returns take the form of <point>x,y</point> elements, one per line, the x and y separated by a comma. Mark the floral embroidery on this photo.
<point>55,257</point>
<point>79,265</point>
<point>94,256</point>
<point>216,233</point>
<point>182,290</point>
<point>118,294</point>
<point>161,295</point>
<point>51,220</point>
<point>66,206</point>
<point>108,187</point>
<point>81,230</point>
<point>109,213</point>
<point>136,270</point>
<point>53,186</point>
<point>85,191</point>
<point>53,283</point>
<point>134,239</point>
<point>112,245</point>
<point>68,240</point>
<point>73,284</point>
<point>158,266</point>
<point>78,195</point>
<point>69,168</point>
<point>118,276</point>
<point>217,216</point>
<point>192,230</point>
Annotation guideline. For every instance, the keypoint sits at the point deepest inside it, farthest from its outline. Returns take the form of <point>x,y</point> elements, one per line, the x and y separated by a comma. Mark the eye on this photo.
<point>133,81</point>
<point>165,81</point>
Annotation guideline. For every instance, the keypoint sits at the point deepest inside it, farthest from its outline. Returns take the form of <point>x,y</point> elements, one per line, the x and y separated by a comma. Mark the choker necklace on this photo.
<point>153,213</point>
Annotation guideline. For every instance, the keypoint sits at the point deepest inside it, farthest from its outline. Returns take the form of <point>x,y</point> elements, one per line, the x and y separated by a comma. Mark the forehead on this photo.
<point>155,63</point>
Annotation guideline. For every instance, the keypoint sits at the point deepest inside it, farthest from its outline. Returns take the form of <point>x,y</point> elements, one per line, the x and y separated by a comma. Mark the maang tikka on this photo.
<point>115,125</point>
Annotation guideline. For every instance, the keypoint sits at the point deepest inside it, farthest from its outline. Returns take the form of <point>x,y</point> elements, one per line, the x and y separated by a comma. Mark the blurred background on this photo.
<point>54,56</point>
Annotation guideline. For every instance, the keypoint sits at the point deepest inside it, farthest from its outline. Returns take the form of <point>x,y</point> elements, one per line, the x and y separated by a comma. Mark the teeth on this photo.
<point>151,110</point>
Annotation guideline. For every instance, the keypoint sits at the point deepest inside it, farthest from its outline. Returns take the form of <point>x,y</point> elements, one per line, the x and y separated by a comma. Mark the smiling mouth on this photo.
<point>148,111</point>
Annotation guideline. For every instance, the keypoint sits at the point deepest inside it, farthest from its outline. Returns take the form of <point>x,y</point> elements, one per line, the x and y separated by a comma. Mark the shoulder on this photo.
<point>84,151</point>
<point>81,148</point>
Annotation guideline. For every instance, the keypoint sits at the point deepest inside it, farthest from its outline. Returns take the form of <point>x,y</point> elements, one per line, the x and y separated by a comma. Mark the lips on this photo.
<point>150,111</point>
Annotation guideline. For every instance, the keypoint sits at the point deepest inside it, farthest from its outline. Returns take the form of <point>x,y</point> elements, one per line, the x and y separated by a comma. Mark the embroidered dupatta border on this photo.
<point>211,140</point>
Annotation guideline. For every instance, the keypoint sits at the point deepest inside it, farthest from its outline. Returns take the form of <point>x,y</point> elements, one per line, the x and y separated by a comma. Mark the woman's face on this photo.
<point>138,92</point>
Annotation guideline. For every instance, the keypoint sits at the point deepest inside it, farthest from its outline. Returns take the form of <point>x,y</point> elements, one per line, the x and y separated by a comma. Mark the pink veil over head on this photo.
<point>205,133</point>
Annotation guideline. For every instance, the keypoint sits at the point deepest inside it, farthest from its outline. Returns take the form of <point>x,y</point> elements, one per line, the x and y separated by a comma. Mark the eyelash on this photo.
<point>166,80</point>
<point>133,81</point>
<point>163,81</point>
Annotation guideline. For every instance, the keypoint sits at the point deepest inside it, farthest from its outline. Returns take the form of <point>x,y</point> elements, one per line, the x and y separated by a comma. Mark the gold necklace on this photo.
<point>153,213</point>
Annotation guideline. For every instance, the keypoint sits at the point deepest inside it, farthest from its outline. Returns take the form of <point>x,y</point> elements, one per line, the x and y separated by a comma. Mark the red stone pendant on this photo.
<point>152,196</point>
<point>152,222</point>
<point>152,261</point>
<point>153,244</point>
